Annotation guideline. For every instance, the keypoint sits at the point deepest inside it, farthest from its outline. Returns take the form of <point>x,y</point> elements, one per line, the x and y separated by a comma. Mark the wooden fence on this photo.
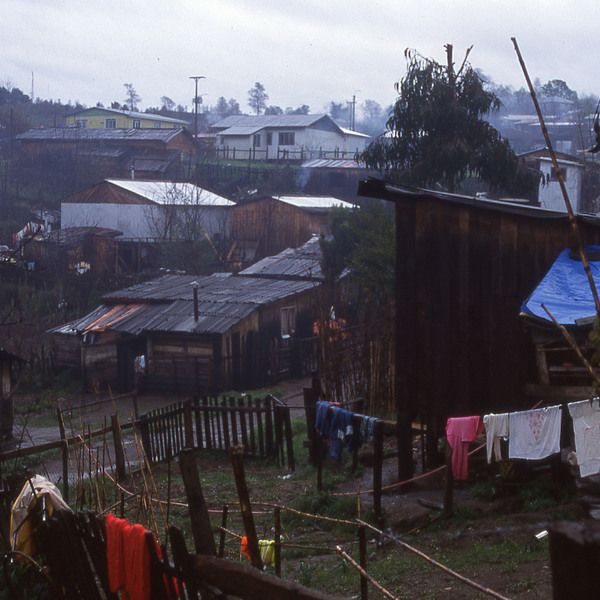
<point>262,426</point>
<point>295,153</point>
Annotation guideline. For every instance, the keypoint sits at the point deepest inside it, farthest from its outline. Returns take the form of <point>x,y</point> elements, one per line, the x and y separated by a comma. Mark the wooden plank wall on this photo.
<point>463,275</point>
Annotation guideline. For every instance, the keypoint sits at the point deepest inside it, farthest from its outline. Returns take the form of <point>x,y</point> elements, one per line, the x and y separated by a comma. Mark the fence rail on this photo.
<point>261,425</point>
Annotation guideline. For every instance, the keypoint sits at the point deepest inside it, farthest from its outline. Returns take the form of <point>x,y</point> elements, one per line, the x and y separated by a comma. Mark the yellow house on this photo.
<point>110,118</point>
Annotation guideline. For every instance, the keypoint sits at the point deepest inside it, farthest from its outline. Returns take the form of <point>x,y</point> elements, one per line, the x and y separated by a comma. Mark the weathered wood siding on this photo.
<point>275,225</point>
<point>464,272</point>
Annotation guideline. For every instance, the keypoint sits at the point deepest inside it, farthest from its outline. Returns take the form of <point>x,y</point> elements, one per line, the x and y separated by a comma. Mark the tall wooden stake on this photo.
<point>204,540</point>
<point>235,454</point>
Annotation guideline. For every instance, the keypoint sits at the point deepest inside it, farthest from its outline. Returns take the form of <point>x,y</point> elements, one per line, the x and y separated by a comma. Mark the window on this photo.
<point>554,175</point>
<point>110,123</point>
<point>137,123</point>
<point>81,123</point>
<point>287,138</point>
<point>157,124</point>
<point>269,138</point>
<point>288,321</point>
<point>256,141</point>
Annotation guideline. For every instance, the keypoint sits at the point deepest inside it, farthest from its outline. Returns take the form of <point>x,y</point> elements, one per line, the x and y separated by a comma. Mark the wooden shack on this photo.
<point>199,334</point>
<point>464,267</point>
<point>267,225</point>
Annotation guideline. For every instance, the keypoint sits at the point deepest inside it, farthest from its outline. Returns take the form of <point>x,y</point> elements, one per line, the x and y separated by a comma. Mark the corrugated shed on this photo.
<point>303,262</point>
<point>72,236</point>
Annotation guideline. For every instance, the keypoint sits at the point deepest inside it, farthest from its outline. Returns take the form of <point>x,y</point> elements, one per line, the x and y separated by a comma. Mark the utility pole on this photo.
<point>196,78</point>
<point>352,112</point>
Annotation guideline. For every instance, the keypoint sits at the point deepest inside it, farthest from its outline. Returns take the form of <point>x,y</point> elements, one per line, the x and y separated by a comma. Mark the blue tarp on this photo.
<point>565,290</point>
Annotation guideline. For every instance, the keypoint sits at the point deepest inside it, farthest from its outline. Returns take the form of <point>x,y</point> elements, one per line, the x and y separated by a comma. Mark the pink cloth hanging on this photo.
<point>460,431</point>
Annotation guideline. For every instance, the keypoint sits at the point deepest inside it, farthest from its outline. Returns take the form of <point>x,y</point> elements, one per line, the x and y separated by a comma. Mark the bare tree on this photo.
<point>132,98</point>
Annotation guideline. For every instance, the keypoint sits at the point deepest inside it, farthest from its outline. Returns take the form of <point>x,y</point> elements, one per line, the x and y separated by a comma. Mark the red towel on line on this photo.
<point>460,432</point>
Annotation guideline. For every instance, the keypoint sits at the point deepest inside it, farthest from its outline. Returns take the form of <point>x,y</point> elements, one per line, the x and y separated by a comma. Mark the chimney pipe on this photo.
<point>194,285</point>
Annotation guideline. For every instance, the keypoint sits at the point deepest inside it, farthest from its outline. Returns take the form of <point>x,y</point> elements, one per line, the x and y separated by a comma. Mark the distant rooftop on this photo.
<point>169,192</point>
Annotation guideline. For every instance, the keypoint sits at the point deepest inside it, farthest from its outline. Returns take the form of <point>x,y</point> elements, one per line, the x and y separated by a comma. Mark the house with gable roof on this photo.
<point>150,210</point>
<point>288,136</point>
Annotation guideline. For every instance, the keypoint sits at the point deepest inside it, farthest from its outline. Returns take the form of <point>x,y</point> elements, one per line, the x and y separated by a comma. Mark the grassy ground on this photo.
<point>490,538</point>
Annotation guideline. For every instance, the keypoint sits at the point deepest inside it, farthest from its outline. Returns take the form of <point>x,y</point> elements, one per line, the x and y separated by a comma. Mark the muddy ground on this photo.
<point>489,528</point>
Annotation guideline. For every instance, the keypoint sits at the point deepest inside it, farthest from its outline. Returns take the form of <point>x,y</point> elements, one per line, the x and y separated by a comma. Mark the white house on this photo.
<point>550,195</point>
<point>153,210</point>
<point>275,136</point>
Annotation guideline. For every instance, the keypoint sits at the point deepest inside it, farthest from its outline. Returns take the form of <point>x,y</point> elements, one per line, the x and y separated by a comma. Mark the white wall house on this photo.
<point>550,195</point>
<point>271,135</point>
<point>158,210</point>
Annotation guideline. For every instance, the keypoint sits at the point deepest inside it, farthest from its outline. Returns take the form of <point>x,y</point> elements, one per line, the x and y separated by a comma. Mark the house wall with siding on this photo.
<point>275,224</point>
<point>142,220</point>
<point>96,119</point>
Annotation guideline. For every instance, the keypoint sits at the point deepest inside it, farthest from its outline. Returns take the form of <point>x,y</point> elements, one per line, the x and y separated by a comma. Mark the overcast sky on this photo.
<point>303,51</point>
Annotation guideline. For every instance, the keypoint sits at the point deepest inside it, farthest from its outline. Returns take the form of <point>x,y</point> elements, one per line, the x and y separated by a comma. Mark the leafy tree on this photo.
<point>257,97</point>
<point>437,134</point>
<point>225,108</point>
<point>339,112</point>
<point>116,105</point>
<point>558,88</point>
<point>167,103</point>
<point>132,97</point>
<point>273,110</point>
<point>304,109</point>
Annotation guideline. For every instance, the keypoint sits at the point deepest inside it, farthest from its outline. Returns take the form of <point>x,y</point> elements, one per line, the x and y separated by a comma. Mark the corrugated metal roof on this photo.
<point>242,130</point>
<point>355,133</point>
<point>132,114</point>
<point>302,263</point>
<point>270,121</point>
<point>72,134</point>
<point>169,192</point>
<point>314,201</point>
<point>332,163</point>
<point>214,288</point>
<point>71,236</point>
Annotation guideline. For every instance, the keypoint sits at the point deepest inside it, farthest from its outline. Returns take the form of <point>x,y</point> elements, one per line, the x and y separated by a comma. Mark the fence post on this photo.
<point>310,414</point>
<point>235,454</point>
<point>277,517</point>
<point>118,443</point>
<point>448,482</point>
<point>202,533</point>
<point>222,536</point>
<point>144,427</point>
<point>377,468</point>
<point>65,455</point>
<point>289,438</point>
<point>362,544</point>
<point>188,424</point>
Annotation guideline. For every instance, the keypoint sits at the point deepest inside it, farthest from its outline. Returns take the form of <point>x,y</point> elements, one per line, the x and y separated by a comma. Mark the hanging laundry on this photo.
<point>534,434</point>
<point>267,550</point>
<point>367,430</point>
<point>586,426</point>
<point>128,559</point>
<point>340,432</point>
<point>496,429</point>
<point>460,431</point>
<point>322,417</point>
